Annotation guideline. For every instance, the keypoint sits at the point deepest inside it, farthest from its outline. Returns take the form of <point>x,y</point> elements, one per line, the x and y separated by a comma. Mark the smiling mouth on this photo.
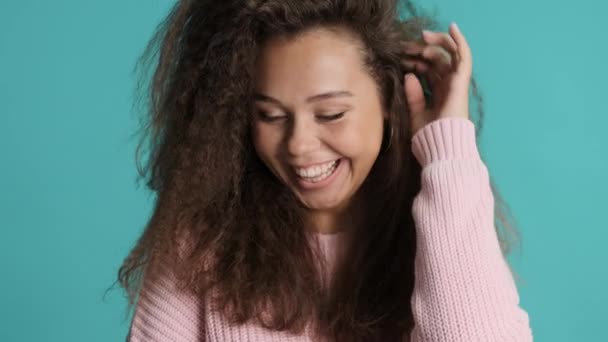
<point>318,173</point>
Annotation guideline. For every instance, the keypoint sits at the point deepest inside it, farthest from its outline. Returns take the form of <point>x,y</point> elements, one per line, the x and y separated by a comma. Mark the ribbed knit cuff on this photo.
<point>445,139</point>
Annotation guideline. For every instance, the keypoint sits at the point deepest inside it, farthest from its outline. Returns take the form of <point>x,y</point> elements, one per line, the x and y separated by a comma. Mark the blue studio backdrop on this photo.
<point>70,208</point>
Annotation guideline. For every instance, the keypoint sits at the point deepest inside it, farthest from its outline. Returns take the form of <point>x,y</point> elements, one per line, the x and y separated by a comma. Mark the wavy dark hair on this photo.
<point>223,223</point>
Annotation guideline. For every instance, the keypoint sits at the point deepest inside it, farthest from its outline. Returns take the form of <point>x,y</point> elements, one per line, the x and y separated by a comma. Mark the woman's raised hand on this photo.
<point>445,59</point>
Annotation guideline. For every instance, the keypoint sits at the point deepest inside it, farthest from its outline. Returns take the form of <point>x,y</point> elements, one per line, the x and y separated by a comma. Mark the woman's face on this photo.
<point>318,119</point>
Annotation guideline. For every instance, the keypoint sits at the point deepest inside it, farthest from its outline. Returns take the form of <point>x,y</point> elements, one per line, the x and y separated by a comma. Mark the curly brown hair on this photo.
<point>223,223</point>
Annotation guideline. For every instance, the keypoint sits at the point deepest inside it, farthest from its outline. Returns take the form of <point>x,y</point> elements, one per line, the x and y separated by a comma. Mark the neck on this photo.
<point>335,220</point>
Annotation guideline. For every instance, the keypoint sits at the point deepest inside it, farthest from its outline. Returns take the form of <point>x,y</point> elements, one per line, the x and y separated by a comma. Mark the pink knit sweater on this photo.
<point>464,290</point>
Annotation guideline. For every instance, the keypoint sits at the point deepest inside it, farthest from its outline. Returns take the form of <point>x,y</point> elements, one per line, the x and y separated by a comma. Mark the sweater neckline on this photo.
<point>330,237</point>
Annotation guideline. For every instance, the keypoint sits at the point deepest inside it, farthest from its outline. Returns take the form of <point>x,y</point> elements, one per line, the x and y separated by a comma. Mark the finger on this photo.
<point>414,64</point>
<point>414,93</point>
<point>442,39</point>
<point>413,48</point>
<point>465,63</point>
<point>439,58</point>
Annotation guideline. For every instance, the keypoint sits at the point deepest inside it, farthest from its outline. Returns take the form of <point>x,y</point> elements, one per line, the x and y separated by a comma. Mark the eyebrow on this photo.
<point>314,98</point>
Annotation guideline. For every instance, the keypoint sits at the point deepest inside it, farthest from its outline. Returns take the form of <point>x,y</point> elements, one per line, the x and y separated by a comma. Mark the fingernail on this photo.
<point>455,26</point>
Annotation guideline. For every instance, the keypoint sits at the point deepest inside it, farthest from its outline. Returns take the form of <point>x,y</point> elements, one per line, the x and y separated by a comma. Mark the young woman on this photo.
<point>317,178</point>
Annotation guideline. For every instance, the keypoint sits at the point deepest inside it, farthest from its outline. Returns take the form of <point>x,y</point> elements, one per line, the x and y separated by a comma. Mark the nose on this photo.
<point>302,137</point>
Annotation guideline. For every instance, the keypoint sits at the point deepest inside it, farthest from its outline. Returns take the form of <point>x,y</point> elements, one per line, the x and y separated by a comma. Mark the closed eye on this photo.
<point>331,117</point>
<point>270,118</point>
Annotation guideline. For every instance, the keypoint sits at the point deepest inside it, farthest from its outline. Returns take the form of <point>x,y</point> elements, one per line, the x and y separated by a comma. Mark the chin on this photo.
<point>321,203</point>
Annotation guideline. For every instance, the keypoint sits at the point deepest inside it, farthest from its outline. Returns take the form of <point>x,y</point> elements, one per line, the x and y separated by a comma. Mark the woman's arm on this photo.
<point>163,313</point>
<point>464,290</point>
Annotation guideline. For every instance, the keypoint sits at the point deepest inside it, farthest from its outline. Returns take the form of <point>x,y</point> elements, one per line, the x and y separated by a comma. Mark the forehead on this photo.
<point>318,56</point>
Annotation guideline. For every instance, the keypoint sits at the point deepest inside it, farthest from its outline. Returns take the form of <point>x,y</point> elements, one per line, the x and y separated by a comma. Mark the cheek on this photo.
<point>360,138</point>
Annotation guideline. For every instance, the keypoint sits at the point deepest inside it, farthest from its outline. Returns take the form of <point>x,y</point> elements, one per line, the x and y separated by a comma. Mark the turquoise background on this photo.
<point>70,207</point>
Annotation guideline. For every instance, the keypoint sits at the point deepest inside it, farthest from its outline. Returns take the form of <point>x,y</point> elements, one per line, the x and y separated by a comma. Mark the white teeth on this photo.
<point>317,173</point>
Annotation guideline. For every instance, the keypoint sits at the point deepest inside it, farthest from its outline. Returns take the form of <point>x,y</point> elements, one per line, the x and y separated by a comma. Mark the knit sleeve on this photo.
<point>464,290</point>
<point>163,313</point>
